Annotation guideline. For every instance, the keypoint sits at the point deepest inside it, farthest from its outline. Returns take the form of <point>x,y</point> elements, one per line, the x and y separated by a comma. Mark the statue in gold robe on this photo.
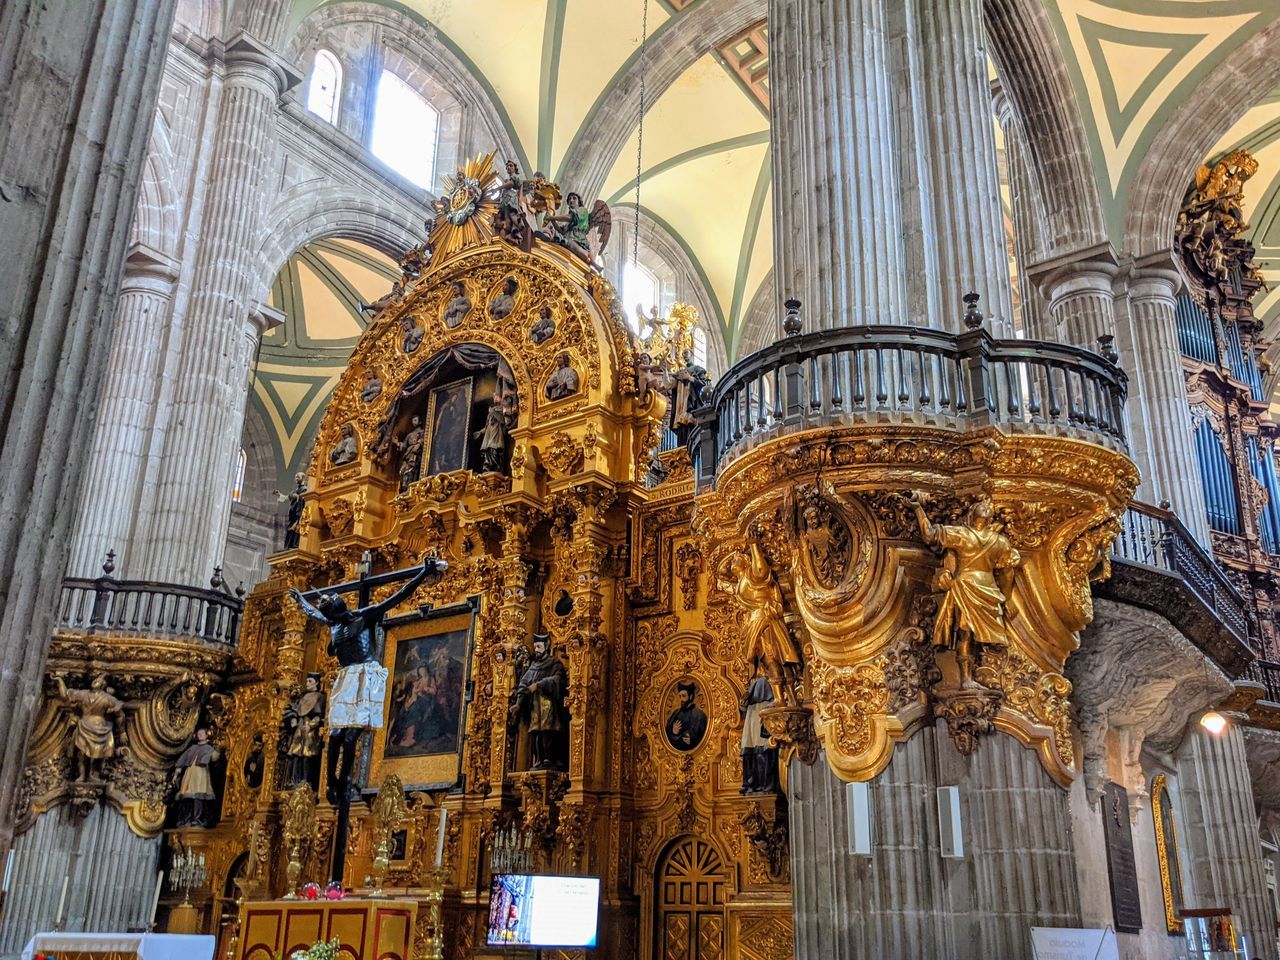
<point>750,582</point>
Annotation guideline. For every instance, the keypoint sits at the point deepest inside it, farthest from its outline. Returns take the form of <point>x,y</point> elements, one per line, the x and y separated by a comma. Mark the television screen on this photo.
<point>536,911</point>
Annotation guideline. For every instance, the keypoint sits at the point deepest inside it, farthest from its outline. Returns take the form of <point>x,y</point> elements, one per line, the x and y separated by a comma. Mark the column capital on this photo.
<point>146,268</point>
<point>247,56</point>
<point>264,318</point>
<point>1099,259</point>
<point>1154,278</point>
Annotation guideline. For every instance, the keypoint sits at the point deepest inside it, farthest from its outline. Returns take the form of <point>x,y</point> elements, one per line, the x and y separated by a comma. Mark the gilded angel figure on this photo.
<point>769,643</point>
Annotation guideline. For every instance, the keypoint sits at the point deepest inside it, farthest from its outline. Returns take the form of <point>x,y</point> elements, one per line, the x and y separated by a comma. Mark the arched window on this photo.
<point>404,131</point>
<point>639,289</point>
<point>326,87</point>
<point>237,485</point>
<point>699,346</point>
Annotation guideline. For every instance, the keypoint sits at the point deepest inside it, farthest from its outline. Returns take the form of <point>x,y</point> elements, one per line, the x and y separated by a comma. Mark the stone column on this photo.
<point>837,222</point>
<point>1224,850</point>
<point>1081,303</point>
<point>1160,420</point>
<point>122,432</point>
<point>78,85</point>
<point>188,527</point>
<point>905,900</point>
<point>947,104</point>
<point>1027,213</point>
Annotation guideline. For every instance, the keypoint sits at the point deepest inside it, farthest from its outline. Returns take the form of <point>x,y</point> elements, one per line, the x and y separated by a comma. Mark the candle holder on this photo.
<point>434,940</point>
<point>187,873</point>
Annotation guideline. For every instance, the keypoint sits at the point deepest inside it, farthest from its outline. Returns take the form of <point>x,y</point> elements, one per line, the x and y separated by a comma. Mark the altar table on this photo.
<point>367,929</point>
<point>121,946</point>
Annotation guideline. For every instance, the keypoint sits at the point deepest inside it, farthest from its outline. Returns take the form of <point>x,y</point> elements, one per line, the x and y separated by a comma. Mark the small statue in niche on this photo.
<point>195,786</point>
<point>397,291</point>
<point>346,449</point>
<point>410,447</point>
<point>303,718</point>
<point>493,442</point>
<point>356,700</point>
<point>540,698</point>
<point>372,388</point>
<point>514,220</point>
<point>750,582</point>
<point>500,307</point>
<point>687,724</point>
<point>975,577</point>
<point>458,307</point>
<point>97,713</point>
<point>413,334</point>
<point>255,765</point>
<point>563,381</point>
<point>297,501</point>
<point>691,382</point>
<point>759,758</point>
<point>544,328</point>
<point>584,234</point>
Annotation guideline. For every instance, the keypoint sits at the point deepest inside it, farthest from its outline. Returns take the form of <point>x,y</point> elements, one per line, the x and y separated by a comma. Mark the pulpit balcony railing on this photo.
<point>880,373</point>
<point>149,609</point>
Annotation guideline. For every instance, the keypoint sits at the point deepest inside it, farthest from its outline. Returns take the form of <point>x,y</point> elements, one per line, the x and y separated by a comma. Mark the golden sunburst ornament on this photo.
<point>466,208</point>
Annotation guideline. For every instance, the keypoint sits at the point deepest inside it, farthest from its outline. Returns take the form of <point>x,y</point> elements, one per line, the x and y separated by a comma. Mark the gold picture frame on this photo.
<point>428,695</point>
<point>449,423</point>
<point>1162,815</point>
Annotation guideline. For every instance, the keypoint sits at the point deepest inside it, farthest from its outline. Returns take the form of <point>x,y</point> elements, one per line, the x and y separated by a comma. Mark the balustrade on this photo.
<point>146,608</point>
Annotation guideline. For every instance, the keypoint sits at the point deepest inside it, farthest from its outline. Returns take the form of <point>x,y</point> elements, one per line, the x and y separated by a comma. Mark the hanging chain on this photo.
<point>644,66</point>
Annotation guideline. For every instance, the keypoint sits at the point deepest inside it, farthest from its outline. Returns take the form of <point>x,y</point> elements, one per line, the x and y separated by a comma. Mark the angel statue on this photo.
<point>575,229</point>
<point>769,645</point>
<point>95,715</point>
<point>976,577</point>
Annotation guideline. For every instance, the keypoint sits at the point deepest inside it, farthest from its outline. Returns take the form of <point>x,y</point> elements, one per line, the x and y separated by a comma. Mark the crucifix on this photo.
<point>356,701</point>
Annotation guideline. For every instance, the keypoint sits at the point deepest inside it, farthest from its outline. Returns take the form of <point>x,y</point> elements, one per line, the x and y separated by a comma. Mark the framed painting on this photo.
<point>429,659</point>
<point>449,420</point>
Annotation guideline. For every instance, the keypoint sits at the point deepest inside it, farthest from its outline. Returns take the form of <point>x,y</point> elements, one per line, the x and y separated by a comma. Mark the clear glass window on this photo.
<point>326,87</point>
<point>405,128</point>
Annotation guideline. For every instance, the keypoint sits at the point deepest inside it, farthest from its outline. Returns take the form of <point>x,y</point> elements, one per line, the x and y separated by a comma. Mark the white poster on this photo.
<point>1070,943</point>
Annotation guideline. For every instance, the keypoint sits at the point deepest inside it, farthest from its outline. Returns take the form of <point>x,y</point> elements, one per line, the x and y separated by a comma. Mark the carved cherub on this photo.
<point>748,579</point>
<point>976,577</point>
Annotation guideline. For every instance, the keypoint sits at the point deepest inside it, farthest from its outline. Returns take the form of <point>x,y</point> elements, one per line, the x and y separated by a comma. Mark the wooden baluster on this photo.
<point>858,359</point>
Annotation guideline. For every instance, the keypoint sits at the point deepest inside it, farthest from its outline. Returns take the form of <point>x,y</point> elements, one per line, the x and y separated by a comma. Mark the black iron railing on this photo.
<point>1267,673</point>
<point>901,374</point>
<point>147,608</point>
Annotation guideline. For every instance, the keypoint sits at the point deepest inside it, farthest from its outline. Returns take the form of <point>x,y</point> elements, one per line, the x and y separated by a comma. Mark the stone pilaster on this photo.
<point>123,429</point>
<point>188,527</point>
<point>1224,852</point>
<point>947,100</point>
<point>1081,304</point>
<point>905,900</point>
<point>837,222</point>
<point>1159,417</point>
<point>78,85</point>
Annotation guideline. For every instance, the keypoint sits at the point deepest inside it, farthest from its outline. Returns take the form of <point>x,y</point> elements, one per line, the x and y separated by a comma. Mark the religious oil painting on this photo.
<point>686,723</point>
<point>449,417</point>
<point>428,657</point>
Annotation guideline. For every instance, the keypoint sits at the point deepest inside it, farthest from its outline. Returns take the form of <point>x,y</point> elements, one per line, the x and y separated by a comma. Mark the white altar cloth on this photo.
<point>147,946</point>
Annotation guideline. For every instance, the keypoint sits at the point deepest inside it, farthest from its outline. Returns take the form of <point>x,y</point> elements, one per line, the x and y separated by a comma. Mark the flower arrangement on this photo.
<point>317,951</point>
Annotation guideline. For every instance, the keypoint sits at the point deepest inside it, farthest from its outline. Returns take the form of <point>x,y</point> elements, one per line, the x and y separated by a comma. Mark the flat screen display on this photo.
<point>537,911</point>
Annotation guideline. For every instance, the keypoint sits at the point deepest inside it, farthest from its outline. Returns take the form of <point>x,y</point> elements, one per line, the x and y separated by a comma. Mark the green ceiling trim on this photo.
<point>552,42</point>
<point>354,255</point>
<point>267,380</point>
<point>719,146</point>
<point>763,181</point>
<point>1176,45</point>
<point>285,298</point>
<point>584,129</point>
<point>675,235</point>
<point>736,77</point>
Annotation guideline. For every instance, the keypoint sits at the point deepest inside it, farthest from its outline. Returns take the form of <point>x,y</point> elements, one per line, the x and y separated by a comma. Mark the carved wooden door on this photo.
<point>690,888</point>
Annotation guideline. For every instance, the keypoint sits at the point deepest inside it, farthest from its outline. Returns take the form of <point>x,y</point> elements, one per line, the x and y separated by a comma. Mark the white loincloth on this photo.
<point>357,696</point>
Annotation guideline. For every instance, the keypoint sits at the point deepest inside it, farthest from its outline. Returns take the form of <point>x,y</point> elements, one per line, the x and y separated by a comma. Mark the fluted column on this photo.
<point>837,221</point>
<point>1160,419</point>
<point>114,473</point>
<point>78,85</point>
<point>188,524</point>
<point>1224,851</point>
<point>948,107</point>
<point>1027,214</point>
<point>1081,304</point>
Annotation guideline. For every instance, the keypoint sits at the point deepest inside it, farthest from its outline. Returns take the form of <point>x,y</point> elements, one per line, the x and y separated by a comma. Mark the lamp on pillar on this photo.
<point>1214,722</point>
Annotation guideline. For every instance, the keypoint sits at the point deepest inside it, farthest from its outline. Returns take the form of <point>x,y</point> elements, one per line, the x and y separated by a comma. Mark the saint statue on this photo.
<point>584,234</point>
<point>97,712</point>
<point>976,577</point>
<point>255,766</point>
<point>372,388</point>
<point>514,220</point>
<point>500,307</point>
<point>397,291</point>
<point>297,501</point>
<point>410,447</point>
<point>413,334</point>
<point>759,758</point>
<point>345,450</point>
<point>768,641</point>
<point>355,702</point>
<point>459,306</point>
<point>493,438</point>
<point>563,381</point>
<point>540,699</point>
<point>544,328</point>
<point>195,787</point>
<point>300,738</point>
<point>687,724</point>
<point>691,382</point>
